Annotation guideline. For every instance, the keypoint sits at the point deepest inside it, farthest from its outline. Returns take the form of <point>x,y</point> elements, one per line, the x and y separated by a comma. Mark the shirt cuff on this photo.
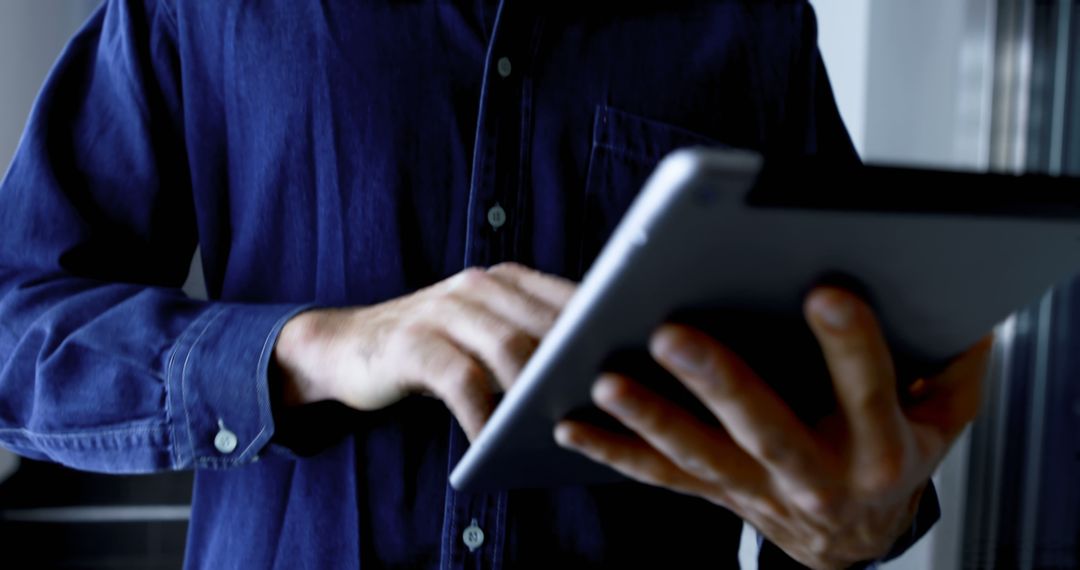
<point>926,515</point>
<point>217,394</point>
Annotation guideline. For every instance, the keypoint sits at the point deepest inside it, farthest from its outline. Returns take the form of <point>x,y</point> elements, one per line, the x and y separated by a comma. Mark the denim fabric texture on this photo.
<point>339,153</point>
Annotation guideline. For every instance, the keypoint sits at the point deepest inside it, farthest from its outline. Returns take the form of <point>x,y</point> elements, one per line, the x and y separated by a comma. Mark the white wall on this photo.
<point>911,77</point>
<point>844,39</point>
<point>32,34</point>
<point>925,90</point>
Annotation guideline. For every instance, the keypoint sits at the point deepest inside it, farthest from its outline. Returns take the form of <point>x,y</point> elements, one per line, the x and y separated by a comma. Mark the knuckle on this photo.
<point>761,508</point>
<point>454,306</point>
<point>770,507</point>
<point>547,316</point>
<point>719,384</point>
<point>516,344</point>
<point>508,267</point>
<point>541,314</point>
<point>723,384</point>
<point>820,545</point>
<point>428,306</point>
<point>820,503</point>
<point>722,498</point>
<point>473,275</point>
<point>871,398</point>
<point>466,280</point>
<point>466,377</point>
<point>701,468</point>
<point>657,474</point>
<point>619,392</point>
<point>771,449</point>
<point>640,414</point>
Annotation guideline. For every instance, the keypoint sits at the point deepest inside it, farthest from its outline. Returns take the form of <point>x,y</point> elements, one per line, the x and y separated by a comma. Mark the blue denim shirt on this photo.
<point>345,153</point>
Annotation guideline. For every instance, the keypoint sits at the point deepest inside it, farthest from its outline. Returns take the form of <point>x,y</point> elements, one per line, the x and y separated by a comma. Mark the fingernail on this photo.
<point>605,394</point>
<point>835,309</point>
<point>564,435</point>
<point>679,350</point>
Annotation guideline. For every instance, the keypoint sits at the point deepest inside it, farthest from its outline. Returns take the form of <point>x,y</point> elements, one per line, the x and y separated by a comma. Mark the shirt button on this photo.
<point>496,216</point>
<point>473,536</point>
<point>504,67</point>
<point>225,441</point>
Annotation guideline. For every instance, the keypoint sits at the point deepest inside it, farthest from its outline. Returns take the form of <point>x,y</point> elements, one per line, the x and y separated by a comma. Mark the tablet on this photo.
<point>729,243</point>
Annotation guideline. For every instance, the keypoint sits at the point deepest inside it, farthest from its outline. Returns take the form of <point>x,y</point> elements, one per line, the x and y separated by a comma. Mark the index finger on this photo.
<point>861,367</point>
<point>755,417</point>
<point>553,290</point>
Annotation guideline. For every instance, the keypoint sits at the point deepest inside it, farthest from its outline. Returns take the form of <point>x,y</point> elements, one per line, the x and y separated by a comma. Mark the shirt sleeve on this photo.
<point>105,364</point>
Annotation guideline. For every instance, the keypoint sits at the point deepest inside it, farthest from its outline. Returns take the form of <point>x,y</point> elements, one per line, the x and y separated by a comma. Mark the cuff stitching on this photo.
<point>213,316</point>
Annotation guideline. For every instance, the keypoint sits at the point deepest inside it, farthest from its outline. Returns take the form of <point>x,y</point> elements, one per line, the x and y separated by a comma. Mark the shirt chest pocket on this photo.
<point>625,150</point>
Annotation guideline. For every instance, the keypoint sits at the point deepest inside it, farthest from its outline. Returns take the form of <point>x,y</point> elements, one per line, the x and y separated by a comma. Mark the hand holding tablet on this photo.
<point>731,247</point>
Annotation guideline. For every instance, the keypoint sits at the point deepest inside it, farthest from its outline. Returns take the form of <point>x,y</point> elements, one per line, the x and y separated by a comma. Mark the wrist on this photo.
<point>296,355</point>
<point>906,532</point>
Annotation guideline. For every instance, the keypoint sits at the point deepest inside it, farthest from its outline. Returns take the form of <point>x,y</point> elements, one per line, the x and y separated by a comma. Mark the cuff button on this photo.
<point>225,441</point>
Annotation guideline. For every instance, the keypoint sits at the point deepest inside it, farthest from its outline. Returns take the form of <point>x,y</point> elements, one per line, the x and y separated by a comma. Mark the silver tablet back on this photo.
<point>694,243</point>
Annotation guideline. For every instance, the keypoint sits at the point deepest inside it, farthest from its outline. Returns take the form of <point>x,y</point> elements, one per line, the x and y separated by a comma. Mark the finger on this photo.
<point>860,365</point>
<point>702,451</point>
<point>633,458</point>
<point>500,346</point>
<point>553,290</point>
<point>506,299</point>
<point>441,367</point>
<point>754,416</point>
<point>950,400</point>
